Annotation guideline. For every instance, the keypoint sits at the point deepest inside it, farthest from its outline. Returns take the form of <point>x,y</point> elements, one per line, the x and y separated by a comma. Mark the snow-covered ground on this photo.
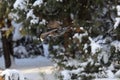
<point>107,79</point>
<point>38,68</point>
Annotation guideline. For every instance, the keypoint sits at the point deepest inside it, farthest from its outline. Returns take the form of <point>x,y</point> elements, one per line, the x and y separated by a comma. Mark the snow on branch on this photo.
<point>20,4</point>
<point>117,22</point>
<point>95,47</point>
<point>12,74</point>
<point>118,10</point>
<point>38,2</point>
<point>34,19</point>
<point>17,35</point>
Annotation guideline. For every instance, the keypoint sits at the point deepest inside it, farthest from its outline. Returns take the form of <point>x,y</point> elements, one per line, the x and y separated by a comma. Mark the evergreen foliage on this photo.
<point>82,40</point>
<point>6,30</point>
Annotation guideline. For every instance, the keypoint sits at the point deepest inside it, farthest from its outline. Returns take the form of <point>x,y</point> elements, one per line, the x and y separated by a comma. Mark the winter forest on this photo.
<point>80,39</point>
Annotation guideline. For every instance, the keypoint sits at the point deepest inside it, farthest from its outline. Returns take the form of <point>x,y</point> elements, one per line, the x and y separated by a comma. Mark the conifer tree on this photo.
<point>81,29</point>
<point>6,30</point>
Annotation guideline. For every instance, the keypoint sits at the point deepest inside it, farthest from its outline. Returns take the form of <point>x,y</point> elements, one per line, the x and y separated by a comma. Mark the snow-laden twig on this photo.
<point>12,74</point>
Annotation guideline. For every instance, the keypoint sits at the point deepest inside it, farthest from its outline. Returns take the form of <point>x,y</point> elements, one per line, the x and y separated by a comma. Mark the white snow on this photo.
<point>106,79</point>
<point>105,57</point>
<point>21,50</point>
<point>72,16</point>
<point>110,74</point>
<point>43,22</point>
<point>118,10</point>
<point>117,22</point>
<point>79,36</point>
<point>60,0</point>
<point>95,47</point>
<point>85,48</point>
<point>38,68</point>
<point>41,68</point>
<point>46,50</point>
<point>111,67</point>
<point>72,62</point>
<point>20,4</point>
<point>12,74</point>
<point>16,34</point>
<point>34,19</point>
<point>66,74</point>
<point>117,74</point>
<point>38,2</point>
<point>30,13</point>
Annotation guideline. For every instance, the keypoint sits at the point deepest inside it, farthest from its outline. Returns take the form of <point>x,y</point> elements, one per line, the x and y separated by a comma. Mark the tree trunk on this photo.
<point>8,50</point>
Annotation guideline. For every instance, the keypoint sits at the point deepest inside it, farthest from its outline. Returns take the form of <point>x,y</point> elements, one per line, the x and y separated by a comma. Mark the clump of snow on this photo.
<point>55,47</point>
<point>80,36</point>
<point>12,74</point>
<point>76,71</point>
<point>60,0</point>
<point>117,22</point>
<point>110,74</point>
<point>38,68</point>
<point>118,10</point>
<point>66,75</point>
<point>72,62</point>
<point>34,19</point>
<point>20,50</point>
<point>111,67</point>
<point>118,18</point>
<point>117,74</point>
<point>20,4</point>
<point>38,2</point>
<point>85,48</point>
<point>72,16</point>
<point>16,34</point>
<point>43,22</point>
<point>116,44</point>
<point>30,13</point>
<point>95,47</point>
<point>46,50</point>
<point>105,79</point>
<point>105,57</point>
